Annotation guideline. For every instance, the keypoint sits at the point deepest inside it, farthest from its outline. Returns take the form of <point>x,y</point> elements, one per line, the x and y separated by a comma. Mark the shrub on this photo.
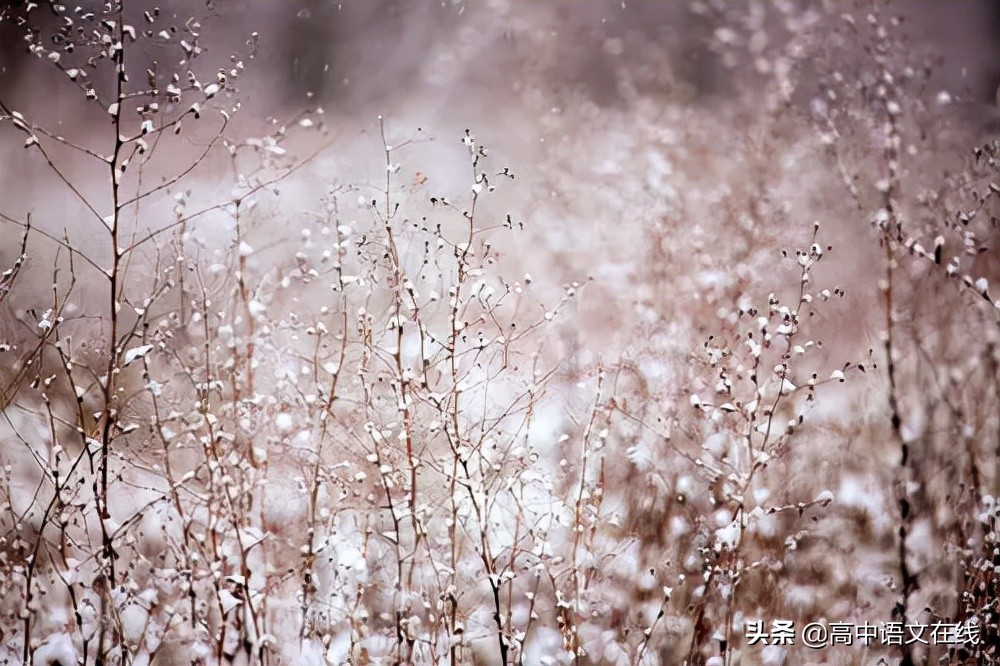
<point>409,426</point>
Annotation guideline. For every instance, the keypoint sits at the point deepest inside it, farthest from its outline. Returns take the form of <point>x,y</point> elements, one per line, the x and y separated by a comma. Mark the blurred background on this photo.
<point>470,60</point>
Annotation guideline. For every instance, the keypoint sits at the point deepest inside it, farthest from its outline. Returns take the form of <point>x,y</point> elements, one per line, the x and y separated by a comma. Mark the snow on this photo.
<point>392,498</point>
<point>56,650</point>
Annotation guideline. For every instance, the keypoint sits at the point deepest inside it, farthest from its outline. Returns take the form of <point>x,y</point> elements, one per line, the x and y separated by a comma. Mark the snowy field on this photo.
<point>499,332</point>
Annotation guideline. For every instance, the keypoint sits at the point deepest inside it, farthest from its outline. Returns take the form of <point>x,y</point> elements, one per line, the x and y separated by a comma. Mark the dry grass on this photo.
<point>419,421</point>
